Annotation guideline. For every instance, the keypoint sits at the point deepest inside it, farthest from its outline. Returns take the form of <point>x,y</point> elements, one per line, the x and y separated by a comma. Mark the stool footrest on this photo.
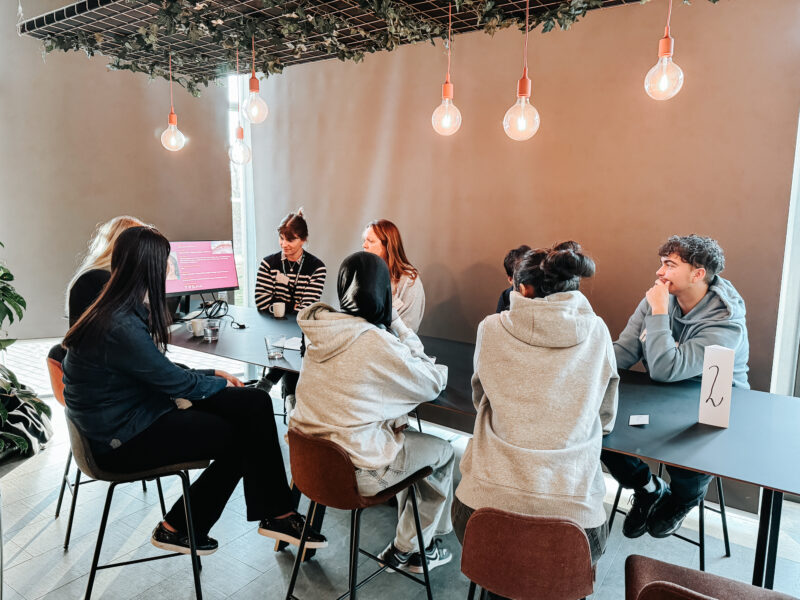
<point>140,560</point>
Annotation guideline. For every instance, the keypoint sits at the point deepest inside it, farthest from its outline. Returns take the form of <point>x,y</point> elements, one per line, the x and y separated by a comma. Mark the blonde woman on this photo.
<point>382,237</point>
<point>95,270</point>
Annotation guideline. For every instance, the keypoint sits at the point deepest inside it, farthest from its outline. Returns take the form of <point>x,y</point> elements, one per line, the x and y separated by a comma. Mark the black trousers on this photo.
<point>289,379</point>
<point>688,487</point>
<point>236,429</point>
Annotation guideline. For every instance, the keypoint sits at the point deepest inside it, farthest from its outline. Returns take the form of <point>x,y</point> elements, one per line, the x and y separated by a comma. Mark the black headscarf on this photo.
<point>365,288</point>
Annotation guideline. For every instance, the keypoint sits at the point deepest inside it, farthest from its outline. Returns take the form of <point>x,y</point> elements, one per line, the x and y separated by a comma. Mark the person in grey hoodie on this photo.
<point>364,370</point>
<point>688,308</point>
<point>545,388</point>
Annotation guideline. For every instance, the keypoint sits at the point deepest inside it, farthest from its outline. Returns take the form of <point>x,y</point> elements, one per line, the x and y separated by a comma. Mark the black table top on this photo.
<point>760,447</point>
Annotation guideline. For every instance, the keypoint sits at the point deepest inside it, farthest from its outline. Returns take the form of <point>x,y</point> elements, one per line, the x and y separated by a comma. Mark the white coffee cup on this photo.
<point>197,326</point>
<point>278,309</point>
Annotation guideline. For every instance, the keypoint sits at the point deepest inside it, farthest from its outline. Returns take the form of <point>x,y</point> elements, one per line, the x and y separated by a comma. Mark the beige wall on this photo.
<point>609,167</point>
<point>79,145</point>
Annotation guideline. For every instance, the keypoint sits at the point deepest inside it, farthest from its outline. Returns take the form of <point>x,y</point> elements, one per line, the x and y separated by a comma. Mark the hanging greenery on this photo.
<point>304,27</point>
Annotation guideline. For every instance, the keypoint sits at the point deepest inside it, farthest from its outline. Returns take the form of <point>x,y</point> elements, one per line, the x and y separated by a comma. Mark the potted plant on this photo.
<point>23,417</point>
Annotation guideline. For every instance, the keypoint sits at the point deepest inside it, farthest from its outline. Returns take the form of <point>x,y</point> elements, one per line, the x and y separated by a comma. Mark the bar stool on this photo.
<point>323,471</point>
<point>54,359</point>
<point>700,542</point>
<point>548,558</point>
<point>84,458</point>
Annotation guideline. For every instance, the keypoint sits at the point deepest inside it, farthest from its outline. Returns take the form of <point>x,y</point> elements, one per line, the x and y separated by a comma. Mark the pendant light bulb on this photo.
<point>255,109</point>
<point>239,153</point>
<point>172,139</point>
<point>665,79</point>
<point>521,121</point>
<point>446,119</point>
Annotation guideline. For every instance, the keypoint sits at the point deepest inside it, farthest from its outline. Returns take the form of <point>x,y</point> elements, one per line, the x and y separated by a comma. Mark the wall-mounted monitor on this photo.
<point>200,267</point>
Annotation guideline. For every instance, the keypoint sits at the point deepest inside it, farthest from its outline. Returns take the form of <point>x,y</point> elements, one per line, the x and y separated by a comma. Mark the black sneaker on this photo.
<point>668,517</point>
<point>436,554</point>
<point>264,384</point>
<point>175,541</point>
<point>392,557</point>
<point>643,505</point>
<point>290,529</point>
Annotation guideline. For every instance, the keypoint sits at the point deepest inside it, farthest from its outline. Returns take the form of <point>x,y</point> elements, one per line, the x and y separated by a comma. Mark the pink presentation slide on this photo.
<point>201,267</point>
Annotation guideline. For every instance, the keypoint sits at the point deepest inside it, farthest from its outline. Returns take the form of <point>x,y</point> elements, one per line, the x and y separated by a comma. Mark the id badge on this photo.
<point>282,279</point>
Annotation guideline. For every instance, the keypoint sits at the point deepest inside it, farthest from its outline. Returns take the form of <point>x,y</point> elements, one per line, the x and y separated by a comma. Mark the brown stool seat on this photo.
<point>522,556</point>
<point>650,579</point>
<point>322,471</point>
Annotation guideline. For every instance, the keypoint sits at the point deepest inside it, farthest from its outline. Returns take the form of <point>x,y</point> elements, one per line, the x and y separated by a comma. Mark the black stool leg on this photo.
<point>299,558</point>
<point>471,593</point>
<point>413,494</point>
<point>75,488</point>
<point>64,481</point>
<point>702,535</point>
<point>614,508</point>
<point>100,534</point>
<point>161,497</point>
<point>484,594</point>
<point>144,485</point>
<point>187,504</point>
<point>724,518</point>
<point>355,536</point>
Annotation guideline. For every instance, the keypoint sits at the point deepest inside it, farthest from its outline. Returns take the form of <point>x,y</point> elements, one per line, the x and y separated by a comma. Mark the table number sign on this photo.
<point>715,389</point>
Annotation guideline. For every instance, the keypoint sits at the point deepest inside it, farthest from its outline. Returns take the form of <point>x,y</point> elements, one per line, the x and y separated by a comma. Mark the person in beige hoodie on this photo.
<point>364,370</point>
<point>545,388</point>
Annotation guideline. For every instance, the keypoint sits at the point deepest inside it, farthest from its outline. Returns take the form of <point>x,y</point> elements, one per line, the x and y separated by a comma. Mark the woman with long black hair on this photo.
<point>120,392</point>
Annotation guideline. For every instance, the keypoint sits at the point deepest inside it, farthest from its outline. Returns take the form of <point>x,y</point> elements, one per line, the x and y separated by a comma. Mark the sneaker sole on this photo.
<point>432,564</point>
<point>180,549</point>
<point>282,537</point>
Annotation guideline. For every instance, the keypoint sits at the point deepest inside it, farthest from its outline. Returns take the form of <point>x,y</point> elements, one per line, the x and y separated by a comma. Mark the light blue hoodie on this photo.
<point>672,346</point>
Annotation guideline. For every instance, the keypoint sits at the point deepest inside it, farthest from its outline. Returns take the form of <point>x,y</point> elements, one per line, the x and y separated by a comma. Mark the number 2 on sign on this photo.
<point>711,391</point>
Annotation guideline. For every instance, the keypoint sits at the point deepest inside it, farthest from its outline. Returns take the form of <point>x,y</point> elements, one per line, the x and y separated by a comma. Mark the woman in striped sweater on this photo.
<point>294,277</point>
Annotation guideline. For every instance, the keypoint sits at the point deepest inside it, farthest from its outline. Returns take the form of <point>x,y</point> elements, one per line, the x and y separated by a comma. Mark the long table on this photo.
<point>760,447</point>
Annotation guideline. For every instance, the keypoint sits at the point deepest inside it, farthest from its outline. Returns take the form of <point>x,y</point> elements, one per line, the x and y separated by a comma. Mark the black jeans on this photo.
<point>688,487</point>
<point>598,536</point>
<point>236,429</point>
<point>290,379</point>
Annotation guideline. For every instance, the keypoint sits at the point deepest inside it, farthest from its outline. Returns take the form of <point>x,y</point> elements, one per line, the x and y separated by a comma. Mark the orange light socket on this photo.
<point>254,84</point>
<point>666,45</point>
<point>240,133</point>
<point>447,90</point>
<point>173,118</point>
<point>524,85</point>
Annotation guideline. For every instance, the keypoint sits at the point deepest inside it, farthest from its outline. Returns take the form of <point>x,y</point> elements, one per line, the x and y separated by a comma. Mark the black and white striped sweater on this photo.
<point>302,288</point>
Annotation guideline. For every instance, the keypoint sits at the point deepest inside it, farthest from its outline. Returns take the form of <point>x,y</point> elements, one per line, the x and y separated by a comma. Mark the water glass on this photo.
<point>211,330</point>
<point>275,346</point>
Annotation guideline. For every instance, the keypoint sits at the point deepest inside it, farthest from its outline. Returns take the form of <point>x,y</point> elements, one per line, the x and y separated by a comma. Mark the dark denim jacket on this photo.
<point>118,386</point>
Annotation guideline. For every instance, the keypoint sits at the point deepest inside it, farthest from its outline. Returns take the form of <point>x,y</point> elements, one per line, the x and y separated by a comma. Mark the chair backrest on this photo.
<point>54,359</point>
<point>82,452</point>
<point>520,556</point>
<point>664,590</point>
<point>323,471</point>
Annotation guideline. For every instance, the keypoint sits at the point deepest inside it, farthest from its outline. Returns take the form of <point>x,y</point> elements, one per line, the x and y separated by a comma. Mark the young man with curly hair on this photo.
<point>688,308</point>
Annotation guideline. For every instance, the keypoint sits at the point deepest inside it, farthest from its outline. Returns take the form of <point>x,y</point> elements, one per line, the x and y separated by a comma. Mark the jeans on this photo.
<point>688,487</point>
<point>598,536</point>
<point>236,429</point>
<point>434,493</point>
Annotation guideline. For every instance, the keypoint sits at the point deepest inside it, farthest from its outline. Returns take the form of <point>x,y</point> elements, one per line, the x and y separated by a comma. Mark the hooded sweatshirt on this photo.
<point>358,379</point>
<point>545,388</point>
<point>672,346</point>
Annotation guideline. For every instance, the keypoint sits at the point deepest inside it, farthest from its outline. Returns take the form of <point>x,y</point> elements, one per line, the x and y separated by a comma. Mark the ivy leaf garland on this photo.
<point>302,26</point>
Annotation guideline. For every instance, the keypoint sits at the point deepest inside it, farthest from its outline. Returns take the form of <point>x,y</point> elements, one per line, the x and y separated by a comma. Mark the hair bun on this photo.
<point>567,261</point>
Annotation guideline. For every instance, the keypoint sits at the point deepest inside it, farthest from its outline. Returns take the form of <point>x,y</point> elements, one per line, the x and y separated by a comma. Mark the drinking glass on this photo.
<point>211,330</point>
<point>275,346</point>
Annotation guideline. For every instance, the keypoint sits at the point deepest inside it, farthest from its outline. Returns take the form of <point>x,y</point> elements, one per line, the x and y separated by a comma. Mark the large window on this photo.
<point>241,201</point>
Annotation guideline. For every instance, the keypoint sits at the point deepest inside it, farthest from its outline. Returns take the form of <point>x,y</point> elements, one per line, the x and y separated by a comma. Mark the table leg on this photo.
<point>774,532</point>
<point>763,536</point>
